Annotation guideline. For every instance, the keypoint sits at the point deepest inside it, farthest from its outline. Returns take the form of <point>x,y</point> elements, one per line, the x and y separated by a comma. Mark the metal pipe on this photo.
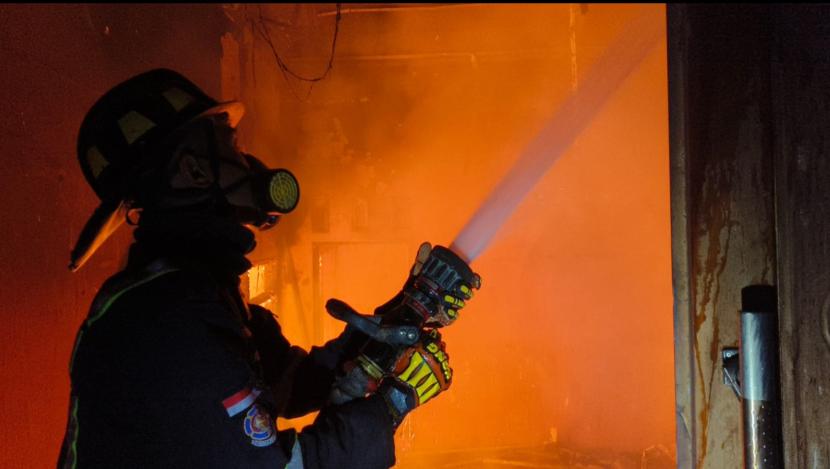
<point>760,378</point>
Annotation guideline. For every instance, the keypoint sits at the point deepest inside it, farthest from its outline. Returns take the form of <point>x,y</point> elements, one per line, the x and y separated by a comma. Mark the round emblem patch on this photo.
<point>259,426</point>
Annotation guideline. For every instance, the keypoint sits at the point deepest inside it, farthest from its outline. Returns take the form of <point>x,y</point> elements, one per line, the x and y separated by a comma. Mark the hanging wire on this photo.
<point>263,31</point>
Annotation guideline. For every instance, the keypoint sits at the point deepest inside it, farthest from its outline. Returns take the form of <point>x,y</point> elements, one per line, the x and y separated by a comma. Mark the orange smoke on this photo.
<point>569,341</point>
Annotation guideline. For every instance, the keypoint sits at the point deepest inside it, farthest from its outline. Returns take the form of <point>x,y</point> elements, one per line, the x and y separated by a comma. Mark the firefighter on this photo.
<point>172,368</point>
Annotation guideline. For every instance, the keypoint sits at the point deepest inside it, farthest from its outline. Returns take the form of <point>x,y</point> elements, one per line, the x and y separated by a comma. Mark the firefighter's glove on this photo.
<point>421,372</point>
<point>454,297</point>
<point>440,282</point>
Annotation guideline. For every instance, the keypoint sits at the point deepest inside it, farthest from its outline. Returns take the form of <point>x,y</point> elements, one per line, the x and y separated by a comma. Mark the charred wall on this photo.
<point>748,108</point>
<point>801,93</point>
<point>722,209</point>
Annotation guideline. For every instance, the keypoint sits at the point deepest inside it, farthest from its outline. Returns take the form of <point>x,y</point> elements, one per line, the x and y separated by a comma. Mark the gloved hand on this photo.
<point>421,373</point>
<point>439,284</point>
<point>444,288</point>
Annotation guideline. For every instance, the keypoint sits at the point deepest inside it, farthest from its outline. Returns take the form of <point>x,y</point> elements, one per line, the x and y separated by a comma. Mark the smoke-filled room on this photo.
<point>414,235</point>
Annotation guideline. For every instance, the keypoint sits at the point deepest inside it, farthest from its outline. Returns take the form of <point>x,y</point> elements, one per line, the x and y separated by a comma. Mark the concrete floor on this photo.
<point>546,456</point>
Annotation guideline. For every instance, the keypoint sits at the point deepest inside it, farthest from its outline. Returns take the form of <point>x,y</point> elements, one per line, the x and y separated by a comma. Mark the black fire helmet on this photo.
<point>118,135</point>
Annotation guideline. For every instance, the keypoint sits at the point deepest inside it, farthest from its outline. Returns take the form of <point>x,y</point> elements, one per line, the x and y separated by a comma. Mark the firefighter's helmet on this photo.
<point>119,134</point>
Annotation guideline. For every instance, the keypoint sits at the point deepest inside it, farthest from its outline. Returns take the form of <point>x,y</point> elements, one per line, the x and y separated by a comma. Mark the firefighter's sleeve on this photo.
<point>359,433</point>
<point>232,422</point>
<point>206,401</point>
<point>168,385</point>
<point>301,380</point>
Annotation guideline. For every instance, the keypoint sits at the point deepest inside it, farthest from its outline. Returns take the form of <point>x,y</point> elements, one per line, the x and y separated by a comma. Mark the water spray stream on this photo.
<point>616,63</point>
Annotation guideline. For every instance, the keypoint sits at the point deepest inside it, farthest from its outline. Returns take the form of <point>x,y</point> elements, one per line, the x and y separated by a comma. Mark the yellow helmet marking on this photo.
<point>96,161</point>
<point>177,98</point>
<point>133,125</point>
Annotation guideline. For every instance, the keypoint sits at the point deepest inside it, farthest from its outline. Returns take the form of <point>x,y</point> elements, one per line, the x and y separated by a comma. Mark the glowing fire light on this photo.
<point>610,70</point>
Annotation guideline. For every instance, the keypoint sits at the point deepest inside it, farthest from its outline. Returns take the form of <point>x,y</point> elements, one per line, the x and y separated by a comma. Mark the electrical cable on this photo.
<point>284,69</point>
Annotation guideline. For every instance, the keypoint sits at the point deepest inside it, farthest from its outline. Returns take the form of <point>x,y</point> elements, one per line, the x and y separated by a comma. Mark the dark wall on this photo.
<point>722,209</point>
<point>801,103</point>
<point>56,60</point>
<point>750,142</point>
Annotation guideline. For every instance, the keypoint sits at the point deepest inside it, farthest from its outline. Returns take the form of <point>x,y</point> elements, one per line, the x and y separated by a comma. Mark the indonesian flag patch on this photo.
<point>240,401</point>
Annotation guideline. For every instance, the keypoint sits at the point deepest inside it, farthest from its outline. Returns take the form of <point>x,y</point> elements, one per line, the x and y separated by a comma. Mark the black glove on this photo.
<point>439,282</point>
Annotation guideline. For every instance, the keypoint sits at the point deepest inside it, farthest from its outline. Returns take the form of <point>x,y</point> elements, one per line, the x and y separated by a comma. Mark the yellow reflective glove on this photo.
<point>421,373</point>
<point>425,367</point>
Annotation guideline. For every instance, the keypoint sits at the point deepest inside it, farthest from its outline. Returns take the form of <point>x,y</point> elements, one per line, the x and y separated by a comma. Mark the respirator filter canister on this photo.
<point>279,191</point>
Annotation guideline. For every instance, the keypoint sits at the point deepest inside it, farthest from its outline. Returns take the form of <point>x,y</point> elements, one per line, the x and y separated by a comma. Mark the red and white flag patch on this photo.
<point>240,401</point>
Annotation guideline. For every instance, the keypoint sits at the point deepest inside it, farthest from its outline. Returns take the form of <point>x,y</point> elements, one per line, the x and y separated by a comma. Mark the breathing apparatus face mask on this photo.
<point>206,164</point>
<point>264,195</point>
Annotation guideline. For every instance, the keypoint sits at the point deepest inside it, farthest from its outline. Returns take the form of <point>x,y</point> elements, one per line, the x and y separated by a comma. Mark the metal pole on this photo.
<point>760,378</point>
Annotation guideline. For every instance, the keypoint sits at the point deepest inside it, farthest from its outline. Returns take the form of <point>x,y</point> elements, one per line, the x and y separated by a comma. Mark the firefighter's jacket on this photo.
<point>172,369</point>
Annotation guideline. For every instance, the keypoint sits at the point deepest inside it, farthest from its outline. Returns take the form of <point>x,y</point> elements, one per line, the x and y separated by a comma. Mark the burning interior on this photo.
<point>534,137</point>
<point>540,128</point>
<point>538,141</point>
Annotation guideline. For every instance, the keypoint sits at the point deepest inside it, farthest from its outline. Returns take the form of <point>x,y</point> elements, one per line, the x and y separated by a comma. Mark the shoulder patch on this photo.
<point>259,426</point>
